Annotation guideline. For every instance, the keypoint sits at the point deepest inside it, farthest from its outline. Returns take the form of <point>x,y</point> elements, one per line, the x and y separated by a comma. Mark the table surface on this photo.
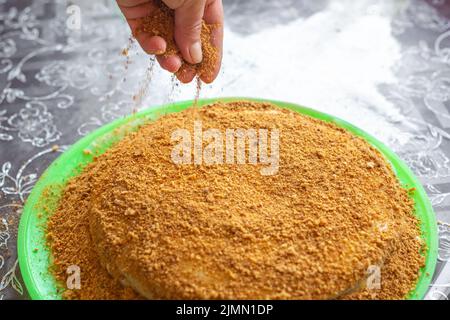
<point>381,65</point>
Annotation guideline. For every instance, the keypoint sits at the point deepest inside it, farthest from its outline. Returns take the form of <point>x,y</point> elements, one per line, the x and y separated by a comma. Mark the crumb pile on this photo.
<point>134,219</point>
<point>161,23</point>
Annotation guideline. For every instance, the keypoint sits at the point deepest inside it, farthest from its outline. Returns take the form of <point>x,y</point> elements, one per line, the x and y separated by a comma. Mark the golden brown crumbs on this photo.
<point>161,23</point>
<point>70,242</point>
<point>225,231</point>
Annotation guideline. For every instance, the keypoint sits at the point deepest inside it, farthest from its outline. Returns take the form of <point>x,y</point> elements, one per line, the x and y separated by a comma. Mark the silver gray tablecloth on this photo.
<point>382,65</point>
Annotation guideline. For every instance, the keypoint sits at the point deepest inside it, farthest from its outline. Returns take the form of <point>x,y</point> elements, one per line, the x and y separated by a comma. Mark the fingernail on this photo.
<point>196,52</point>
<point>156,52</point>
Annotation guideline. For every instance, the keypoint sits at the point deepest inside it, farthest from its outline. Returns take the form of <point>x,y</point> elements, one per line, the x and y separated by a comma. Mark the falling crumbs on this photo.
<point>141,226</point>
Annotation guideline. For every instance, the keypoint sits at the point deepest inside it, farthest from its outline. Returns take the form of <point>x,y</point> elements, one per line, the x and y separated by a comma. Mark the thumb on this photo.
<point>188,27</point>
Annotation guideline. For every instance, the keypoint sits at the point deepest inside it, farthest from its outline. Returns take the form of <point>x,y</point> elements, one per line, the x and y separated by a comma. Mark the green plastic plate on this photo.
<point>34,255</point>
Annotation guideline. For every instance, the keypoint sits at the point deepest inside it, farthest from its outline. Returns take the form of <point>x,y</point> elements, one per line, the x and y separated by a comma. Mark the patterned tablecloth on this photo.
<point>382,65</point>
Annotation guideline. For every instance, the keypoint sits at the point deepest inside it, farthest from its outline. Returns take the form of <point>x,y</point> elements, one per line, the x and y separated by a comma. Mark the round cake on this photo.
<point>176,211</point>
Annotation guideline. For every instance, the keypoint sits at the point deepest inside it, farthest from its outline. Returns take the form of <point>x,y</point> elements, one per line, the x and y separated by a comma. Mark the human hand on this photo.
<point>188,26</point>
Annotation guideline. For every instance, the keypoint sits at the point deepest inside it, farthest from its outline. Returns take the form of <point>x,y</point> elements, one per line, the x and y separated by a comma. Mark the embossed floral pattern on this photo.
<point>35,124</point>
<point>7,48</point>
<point>62,73</point>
